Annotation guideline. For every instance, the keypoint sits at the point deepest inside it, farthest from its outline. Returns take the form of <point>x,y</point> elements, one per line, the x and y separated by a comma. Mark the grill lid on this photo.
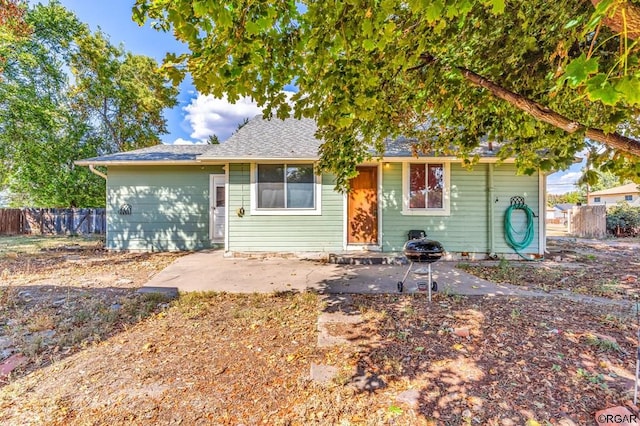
<point>423,250</point>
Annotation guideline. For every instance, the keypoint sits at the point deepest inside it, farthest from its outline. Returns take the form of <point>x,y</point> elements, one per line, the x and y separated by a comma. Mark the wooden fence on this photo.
<point>11,221</point>
<point>52,221</point>
<point>588,221</point>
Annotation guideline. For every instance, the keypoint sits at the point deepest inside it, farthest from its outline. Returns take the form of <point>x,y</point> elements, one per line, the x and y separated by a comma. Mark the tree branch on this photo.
<point>545,114</point>
<point>107,122</point>
<point>624,14</point>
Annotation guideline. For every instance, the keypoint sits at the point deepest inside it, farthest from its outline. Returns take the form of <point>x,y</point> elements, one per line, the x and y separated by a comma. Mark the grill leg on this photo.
<point>406,274</point>
<point>429,283</point>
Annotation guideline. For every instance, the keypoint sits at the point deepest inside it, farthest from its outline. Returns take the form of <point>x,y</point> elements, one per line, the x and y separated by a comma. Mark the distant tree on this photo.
<point>13,26</point>
<point>242,124</point>
<point>122,94</point>
<point>213,140</point>
<point>606,180</point>
<point>113,102</point>
<point>573,197</point>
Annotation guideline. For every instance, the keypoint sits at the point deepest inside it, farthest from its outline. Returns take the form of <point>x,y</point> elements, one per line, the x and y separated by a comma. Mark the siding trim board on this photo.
<point>226,206</point>
<point>542,203</point>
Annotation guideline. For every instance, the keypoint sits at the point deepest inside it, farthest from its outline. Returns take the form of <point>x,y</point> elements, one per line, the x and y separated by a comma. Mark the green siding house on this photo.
<point>257,192</point>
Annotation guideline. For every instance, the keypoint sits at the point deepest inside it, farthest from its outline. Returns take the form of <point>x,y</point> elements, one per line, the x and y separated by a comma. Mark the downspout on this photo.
<point>491,226</point>
<point>542,213</point>
<point>103,176</point>
<point>97,172</point>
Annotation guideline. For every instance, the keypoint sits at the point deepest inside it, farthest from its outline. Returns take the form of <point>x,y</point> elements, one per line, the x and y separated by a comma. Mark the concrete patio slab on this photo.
<point>211,271</point>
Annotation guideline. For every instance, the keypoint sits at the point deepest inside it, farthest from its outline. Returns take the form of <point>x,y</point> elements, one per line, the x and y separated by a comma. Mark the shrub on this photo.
<point>623,220</point>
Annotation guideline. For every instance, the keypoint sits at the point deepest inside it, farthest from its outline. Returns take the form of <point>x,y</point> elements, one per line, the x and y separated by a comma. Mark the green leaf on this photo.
<point>367,27</point>
<point>579,70</point>
<point>572,23</point>
<point>369,45</point>
<point>629,89</point>
<point>497,6</point>
<point>252,28</point>
<point>200,8</point>
<point>602,6</point>
<point>434,11</point>
<point>600,89</point>
<point>395,410</point>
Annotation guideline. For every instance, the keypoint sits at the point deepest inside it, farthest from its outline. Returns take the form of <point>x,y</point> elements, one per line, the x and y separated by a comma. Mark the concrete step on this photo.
<point>368,258</point>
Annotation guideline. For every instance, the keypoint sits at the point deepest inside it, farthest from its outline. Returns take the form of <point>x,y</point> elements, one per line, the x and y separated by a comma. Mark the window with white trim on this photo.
<point>285,187</point>
<point>628,197</point>
<point>425,188</point>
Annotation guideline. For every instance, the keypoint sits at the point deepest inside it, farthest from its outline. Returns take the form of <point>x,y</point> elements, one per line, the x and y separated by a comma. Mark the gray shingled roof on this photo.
<point>401,147</point>
<point>270,139</point>
<point>258,139</point>
<point>153,153</point>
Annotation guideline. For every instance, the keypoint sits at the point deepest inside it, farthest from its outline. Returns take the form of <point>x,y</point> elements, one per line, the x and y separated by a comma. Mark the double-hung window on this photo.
<point>285,189</point>
<point>426,188</point>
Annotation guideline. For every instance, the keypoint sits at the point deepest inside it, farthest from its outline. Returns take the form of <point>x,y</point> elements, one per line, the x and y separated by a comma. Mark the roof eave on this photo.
<point>138,163</point>
<point>208,160</point>
<point>404,159</point>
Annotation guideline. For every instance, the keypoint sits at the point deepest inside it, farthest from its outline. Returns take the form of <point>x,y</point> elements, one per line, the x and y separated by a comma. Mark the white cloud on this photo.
<point>208,115</point>
<point>571,177</point>
<point>562,182</point>
<point>181,141</point>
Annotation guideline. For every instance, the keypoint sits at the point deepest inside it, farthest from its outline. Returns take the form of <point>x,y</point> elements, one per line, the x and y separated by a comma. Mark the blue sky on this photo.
<point>197,116</point>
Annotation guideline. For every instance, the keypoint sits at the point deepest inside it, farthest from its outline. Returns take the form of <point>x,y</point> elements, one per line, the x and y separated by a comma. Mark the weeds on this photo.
<point>596,379</point>
<point>84,320</point>
<point>615,321</point>
<point>42,320</point>
<point>603,345</point>
<point>607,287</point>
<point>516,313</point>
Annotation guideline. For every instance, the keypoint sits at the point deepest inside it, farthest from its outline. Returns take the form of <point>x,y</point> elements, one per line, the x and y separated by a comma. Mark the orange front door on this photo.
<point>362,207</point>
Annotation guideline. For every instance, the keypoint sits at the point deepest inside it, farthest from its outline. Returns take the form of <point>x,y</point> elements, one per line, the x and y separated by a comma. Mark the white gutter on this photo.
<point>97,172</point>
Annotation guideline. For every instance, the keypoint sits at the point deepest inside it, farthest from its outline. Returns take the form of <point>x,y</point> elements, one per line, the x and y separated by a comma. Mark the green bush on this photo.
<point>623,220</point>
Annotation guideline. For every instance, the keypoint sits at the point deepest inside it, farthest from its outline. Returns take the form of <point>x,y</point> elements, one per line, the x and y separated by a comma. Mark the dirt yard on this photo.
<point>608,269</point>
<point>246,359</point>
<point>59,294</point>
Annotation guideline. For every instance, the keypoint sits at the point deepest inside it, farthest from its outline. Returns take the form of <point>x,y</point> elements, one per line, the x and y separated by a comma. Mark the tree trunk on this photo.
<point>542,113</point>
<point>624,20</point>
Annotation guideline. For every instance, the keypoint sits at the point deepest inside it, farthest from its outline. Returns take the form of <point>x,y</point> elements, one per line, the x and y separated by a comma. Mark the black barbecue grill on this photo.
<point>420,249</point>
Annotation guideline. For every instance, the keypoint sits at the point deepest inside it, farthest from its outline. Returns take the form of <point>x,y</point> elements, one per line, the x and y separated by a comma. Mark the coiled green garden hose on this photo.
<point>510,233</point>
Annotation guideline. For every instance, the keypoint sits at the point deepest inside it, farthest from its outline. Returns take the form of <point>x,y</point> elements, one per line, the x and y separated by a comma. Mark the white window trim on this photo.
<point>446,198</point>
<point>255,211</point>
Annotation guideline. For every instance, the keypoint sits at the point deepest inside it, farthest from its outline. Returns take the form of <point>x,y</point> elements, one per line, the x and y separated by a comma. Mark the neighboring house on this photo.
<point>629,193</point>
<point>550,213</point>
<point>562,211</point>
<point>257,192</point>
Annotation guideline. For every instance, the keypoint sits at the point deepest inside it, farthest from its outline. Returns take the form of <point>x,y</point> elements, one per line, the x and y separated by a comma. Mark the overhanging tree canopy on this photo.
<point>536,77</point>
